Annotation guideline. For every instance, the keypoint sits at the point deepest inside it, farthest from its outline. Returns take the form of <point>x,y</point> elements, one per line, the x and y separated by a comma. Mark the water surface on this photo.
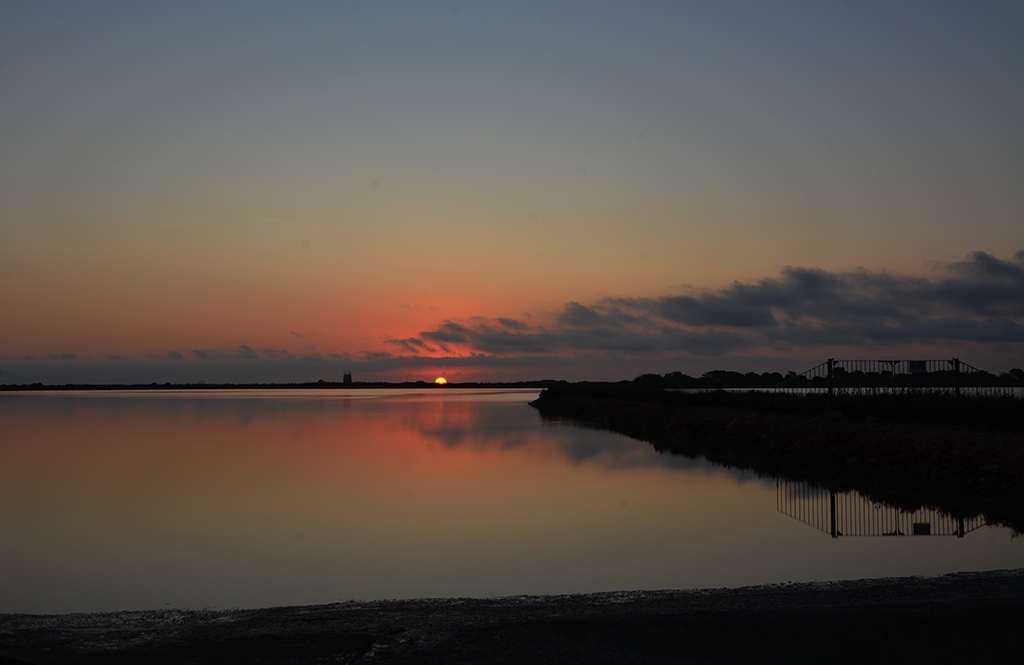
<point>113,501</point>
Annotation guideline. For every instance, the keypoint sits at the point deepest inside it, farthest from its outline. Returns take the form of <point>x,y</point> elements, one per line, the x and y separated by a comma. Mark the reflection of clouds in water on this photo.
<point>617,451</point>
<point>480,425</point>
<point>452,423</point>
<point>246,410</point>
<point>456,436</point>
<point>502,427</point>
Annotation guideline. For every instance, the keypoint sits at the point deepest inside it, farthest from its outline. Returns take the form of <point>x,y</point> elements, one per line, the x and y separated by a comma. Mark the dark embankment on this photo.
<point>960,618</point>
<point>963,456</point>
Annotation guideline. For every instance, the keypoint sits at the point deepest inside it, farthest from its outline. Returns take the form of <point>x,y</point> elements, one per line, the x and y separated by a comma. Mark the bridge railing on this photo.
<point>883,376</point>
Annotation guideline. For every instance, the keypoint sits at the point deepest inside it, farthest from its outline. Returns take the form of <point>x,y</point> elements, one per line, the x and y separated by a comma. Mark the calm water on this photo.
<point>249,499</point>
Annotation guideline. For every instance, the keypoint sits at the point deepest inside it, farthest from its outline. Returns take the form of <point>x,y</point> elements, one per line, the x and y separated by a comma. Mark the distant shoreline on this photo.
<point>673,381</point>
<point>317,385</point>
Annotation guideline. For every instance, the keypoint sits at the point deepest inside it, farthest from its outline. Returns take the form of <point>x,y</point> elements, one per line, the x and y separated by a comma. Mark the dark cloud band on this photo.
<point>979,300</point>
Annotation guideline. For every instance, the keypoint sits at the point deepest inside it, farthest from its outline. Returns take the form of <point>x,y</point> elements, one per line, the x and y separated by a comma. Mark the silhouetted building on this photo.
<point>347,379</point>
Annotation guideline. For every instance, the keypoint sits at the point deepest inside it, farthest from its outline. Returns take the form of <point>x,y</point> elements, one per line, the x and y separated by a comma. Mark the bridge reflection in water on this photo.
<point>852,514</point>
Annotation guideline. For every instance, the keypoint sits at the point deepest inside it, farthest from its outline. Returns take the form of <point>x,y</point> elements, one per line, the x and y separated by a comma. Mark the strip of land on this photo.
<point>963,617</point>
<point>920,456</point>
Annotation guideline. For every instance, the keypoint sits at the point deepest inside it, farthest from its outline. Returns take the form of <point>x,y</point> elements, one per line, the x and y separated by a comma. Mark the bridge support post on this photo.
<point>832,515</point>
<point>956,378</point>
<point>831,383</point>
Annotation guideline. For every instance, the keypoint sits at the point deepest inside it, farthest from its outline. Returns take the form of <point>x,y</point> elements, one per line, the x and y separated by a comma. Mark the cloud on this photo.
<point>209,355</point>
<point>246,352</point>
<point>513,324</point>
<point>978,300</point>
<point>170,355</point>
<point>972,309</point>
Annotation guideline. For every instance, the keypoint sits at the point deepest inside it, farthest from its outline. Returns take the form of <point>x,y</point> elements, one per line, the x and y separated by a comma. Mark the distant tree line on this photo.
<point>713,380</point>
<point>727,379</point>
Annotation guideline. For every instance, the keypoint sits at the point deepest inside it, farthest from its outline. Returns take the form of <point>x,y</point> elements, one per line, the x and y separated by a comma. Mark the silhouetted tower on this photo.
<point>347,379</point>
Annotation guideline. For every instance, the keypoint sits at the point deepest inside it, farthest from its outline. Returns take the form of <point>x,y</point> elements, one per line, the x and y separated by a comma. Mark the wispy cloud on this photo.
<point>209,355</point>
<point>170,355</point>
<point>246,352</point>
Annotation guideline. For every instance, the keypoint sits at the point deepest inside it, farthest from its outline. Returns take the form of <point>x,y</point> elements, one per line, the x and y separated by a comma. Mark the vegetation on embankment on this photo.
<point>995,412</point>
<point>904,450</point>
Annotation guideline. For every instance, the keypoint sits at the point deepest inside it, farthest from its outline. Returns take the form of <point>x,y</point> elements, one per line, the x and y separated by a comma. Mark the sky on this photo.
<point>270,191</point>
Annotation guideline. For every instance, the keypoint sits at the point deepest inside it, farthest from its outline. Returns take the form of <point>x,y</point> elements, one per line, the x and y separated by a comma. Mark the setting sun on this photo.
<point>440,380</point>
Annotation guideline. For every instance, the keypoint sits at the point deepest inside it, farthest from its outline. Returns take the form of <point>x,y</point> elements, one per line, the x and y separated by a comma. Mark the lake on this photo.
<point>155,499</point>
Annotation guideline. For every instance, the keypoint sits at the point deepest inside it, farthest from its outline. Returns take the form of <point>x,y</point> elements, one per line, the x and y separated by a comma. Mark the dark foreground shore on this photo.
<point>963,617</point>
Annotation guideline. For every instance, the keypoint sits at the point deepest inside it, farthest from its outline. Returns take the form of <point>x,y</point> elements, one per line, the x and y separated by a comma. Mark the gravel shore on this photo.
<point>962,617</point>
